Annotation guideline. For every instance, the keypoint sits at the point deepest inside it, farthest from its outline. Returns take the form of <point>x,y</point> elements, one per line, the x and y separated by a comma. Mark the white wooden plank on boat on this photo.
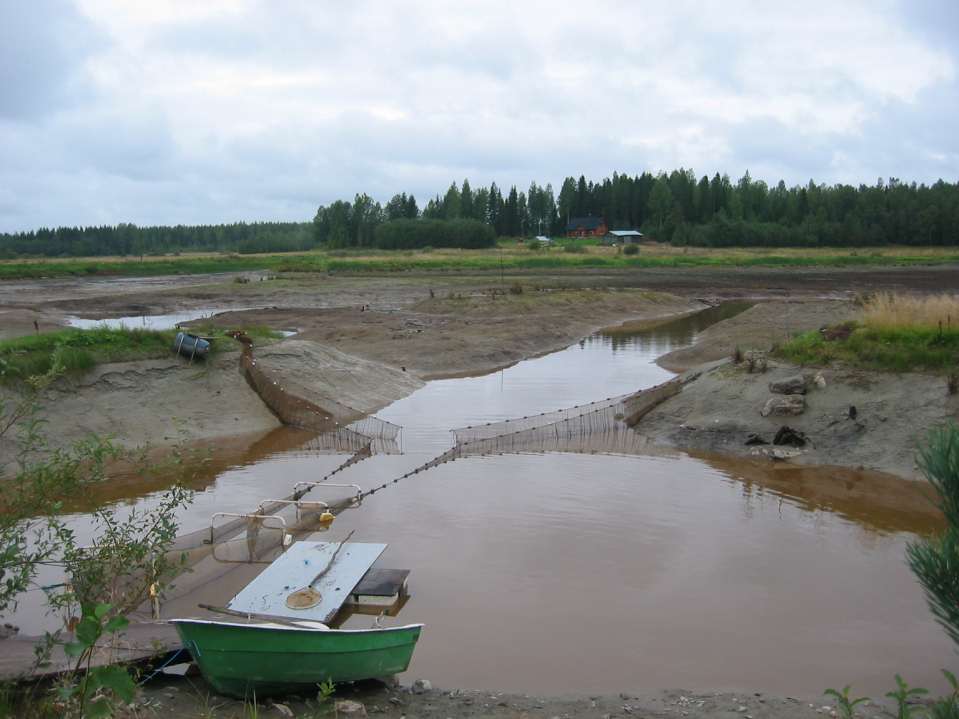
<point>296,568</point>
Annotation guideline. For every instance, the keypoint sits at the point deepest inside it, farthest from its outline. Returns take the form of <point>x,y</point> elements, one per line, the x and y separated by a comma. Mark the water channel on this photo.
<point>569,572</point>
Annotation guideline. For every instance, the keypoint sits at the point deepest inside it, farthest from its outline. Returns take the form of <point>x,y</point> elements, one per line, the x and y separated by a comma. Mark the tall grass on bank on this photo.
<point>78,350</point>
<point>897,333</point>
<point>888,311</point>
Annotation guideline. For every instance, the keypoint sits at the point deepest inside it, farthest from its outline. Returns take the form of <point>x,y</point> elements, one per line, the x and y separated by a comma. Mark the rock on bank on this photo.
<point>873,420</point>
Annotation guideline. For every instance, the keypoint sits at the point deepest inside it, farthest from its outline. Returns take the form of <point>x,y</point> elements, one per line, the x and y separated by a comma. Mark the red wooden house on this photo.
<point>586,227</point>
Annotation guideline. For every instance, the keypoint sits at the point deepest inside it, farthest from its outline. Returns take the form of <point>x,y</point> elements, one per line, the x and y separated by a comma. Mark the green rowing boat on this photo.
<point>241,659</point>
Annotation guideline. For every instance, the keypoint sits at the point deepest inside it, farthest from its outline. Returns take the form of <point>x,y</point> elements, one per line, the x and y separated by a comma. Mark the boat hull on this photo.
<point>242,659</point>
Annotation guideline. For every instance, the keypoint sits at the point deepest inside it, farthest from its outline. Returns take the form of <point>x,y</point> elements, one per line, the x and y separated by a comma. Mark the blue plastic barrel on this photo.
<point>190,345</point>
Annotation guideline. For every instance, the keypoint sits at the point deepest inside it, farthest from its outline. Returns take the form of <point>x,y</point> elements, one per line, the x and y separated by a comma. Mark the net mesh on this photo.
<point>293,409</point>
<point>510,426</point>
<point>577,421</point>
<point>346,440</point>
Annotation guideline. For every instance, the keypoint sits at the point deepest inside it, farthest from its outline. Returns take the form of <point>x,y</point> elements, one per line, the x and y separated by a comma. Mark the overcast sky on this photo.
<point>165,112</point>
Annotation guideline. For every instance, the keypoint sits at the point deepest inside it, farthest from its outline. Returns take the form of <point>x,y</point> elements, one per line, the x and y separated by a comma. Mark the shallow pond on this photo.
<point>143,322</point>
<point>569,572</point>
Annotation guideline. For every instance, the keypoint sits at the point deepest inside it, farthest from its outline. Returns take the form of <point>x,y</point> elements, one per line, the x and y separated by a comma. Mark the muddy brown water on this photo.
<point>568,572</point>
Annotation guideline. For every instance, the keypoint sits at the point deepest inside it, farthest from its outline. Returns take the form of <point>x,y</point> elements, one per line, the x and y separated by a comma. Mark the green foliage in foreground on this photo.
<point>907,701</point>
<point>845,704</point>
<point>406,261</point>
<point>935,561</point>
<point>96,580</point>
<point>101,686</point>
<point>898,350</point>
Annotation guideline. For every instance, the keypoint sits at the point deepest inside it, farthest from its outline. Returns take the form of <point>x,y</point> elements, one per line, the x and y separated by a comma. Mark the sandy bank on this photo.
<point>721,407</point>
<point>720,410</point>
<point>160,402</point>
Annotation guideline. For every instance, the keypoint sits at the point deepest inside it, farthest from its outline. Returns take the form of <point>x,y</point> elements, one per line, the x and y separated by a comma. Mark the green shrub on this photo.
<point>631,249</point>
<point>934,561</point>
<point>411,234</point>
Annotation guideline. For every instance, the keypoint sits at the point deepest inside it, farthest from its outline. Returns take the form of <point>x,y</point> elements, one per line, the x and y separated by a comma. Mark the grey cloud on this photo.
<point>43,43</point>
<point>383,100</point>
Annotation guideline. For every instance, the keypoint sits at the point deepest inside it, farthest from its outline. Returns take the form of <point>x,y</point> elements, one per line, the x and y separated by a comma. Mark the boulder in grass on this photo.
<point>796,384</point>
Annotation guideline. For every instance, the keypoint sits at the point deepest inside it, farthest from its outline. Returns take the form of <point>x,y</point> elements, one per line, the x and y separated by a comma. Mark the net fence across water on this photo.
<point>579,420</point>
<point>347,440</point>
<point>511,426</point>
<point>597,427</point>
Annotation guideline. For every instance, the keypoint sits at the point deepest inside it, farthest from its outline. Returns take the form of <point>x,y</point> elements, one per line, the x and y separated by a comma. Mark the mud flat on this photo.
<point>468,333</point>
<point>358,357</point>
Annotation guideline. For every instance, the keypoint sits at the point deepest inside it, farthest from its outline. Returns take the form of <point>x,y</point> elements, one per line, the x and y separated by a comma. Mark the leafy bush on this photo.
<point>934,561</point>
<point>631,249</point>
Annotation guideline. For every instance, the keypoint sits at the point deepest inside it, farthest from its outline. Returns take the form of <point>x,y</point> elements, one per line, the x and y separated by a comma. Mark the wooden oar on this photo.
<point>261,617</point>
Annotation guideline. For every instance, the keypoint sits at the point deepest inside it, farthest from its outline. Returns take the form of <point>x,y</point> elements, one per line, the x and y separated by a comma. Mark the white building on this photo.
<point>624,236</point>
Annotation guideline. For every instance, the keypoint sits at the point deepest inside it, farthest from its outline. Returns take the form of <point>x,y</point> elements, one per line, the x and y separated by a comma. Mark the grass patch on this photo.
<point>261,334</point>
<point>507,255</point>
<point>903,349</point>
<point>78,350</point>
<point>899,333</point>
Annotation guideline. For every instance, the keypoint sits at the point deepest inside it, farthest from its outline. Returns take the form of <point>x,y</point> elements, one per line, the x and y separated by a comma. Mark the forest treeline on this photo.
<point>130,240</point>
<point>676,207</point>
